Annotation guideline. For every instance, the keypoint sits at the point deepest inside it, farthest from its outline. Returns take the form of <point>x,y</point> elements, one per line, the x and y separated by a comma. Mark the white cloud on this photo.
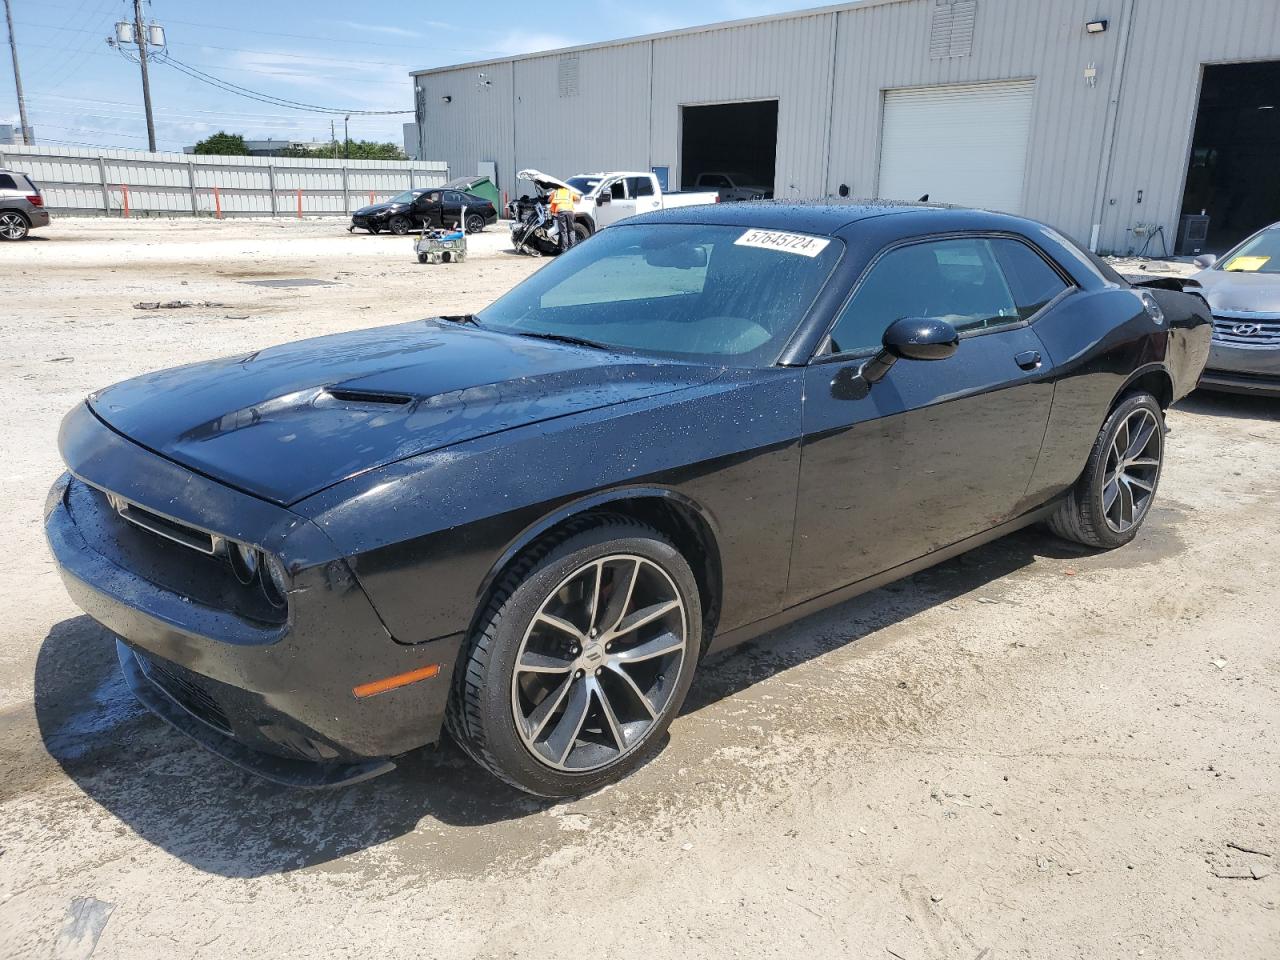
<point>387,31</point>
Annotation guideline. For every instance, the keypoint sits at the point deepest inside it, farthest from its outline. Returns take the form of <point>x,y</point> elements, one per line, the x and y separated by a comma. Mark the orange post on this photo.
<point>124,196</point>
<point>217,203</point>
<point>299,203</point>
<point>371,200</point>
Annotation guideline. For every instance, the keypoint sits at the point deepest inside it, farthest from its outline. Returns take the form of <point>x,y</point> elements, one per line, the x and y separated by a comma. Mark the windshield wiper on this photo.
<point>563,338</point>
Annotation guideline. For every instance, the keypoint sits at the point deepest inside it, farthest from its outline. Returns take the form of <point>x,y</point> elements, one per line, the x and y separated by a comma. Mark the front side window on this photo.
<point>956,280</point>
<point>1033,282</point>
<point>618,190</point>
<point>714,293</point>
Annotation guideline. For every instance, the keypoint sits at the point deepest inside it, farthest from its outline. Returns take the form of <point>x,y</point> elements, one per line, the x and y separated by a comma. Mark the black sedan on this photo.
<point>530,525</point>
<point>418,208</point>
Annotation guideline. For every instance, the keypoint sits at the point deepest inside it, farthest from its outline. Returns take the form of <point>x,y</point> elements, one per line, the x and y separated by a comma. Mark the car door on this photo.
<point>937,451</point>
<point>426,209</point>
<point>453,204</point>
<point>641,190</point>
<point>618,207</point>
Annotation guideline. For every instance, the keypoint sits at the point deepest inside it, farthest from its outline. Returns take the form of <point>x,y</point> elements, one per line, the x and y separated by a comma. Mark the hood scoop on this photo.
<point>367,397</point>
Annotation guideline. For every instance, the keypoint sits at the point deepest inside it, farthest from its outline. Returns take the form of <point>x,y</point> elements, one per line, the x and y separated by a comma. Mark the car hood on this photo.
<point>542,181</point>
<point>1240,292</point>
<point>375,209</point>
<point>287,422</point>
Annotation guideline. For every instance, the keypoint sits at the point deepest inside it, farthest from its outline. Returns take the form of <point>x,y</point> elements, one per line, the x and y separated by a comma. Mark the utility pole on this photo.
<point>17,77</point>
<point>140,34</point>
<point>346,139</point>
<point>333,141</point>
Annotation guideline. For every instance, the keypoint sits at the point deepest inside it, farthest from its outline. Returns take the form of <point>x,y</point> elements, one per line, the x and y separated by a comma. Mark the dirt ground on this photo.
<point>1031,751</point>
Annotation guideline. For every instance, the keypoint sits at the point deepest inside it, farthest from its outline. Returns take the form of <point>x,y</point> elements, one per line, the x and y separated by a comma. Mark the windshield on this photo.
<point>406,197</point>
<point>584,185</point>
<point>726,295</point>
<point>1258,254</point>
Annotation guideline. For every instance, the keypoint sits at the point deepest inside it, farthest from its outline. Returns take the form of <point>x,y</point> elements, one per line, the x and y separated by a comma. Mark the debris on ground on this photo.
<point>86,919</point>
<point>174,304</point>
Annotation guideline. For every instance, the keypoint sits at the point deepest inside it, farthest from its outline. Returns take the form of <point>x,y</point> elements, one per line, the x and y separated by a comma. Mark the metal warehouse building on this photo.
<point>1108,118</point>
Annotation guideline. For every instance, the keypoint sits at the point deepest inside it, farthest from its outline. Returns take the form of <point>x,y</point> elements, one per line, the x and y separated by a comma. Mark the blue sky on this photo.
<point>326,52</point>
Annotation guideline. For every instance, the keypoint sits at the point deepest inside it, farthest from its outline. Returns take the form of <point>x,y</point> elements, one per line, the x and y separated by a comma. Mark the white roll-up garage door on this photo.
<point>964,144</point>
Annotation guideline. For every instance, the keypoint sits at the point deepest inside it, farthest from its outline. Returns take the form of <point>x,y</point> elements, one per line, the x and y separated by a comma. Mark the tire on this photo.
<point>422,258</point>
<point>399,225</point>
<point>493,708</point>
<point>1093,514</point>
<point>475,224</point>
<point>14,225</point>
<point>581,232</point>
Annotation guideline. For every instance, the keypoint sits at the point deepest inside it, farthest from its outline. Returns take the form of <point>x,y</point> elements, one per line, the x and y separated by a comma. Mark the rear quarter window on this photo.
<point>7,182</point>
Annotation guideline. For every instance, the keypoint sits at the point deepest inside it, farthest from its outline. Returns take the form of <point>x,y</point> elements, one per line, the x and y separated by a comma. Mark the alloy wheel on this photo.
<point>1133,467</point>
<point>599,662</point>
<point>475,224</point>
<point>12,226</point>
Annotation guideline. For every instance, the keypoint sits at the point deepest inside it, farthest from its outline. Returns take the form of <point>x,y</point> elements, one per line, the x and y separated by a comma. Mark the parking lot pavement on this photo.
<point>1032,749</point>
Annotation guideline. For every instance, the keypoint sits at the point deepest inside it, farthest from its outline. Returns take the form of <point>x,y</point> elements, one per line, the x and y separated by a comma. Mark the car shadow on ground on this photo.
<point>224,821</point>
<point>1237,406</point>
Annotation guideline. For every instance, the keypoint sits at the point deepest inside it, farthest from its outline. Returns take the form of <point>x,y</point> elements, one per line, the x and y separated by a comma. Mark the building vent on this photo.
<point>568,76</point>
<point>952,33</point>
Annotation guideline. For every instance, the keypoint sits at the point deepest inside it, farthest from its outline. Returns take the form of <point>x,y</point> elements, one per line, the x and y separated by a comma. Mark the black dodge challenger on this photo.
<point>531,524</point>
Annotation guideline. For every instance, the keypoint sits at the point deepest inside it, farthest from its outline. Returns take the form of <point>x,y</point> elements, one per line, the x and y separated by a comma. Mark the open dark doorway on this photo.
<point>730,147</point>
<point>1234,175</point>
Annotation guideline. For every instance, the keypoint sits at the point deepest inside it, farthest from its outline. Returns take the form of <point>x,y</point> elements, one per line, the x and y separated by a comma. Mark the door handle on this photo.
<point>1028,359</point>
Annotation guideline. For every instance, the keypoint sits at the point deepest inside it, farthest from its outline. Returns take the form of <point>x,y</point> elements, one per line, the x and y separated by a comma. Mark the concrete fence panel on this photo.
<point>109,182</point>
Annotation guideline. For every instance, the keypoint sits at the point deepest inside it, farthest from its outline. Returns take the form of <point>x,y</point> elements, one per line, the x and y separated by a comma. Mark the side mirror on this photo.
<point>907,339</point>
<point>1205,260</point>
<point>604,200</point>
<point>921,339</point>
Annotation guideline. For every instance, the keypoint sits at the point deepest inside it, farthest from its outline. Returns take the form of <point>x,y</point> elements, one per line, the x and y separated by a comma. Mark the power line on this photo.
<point>267,98</point>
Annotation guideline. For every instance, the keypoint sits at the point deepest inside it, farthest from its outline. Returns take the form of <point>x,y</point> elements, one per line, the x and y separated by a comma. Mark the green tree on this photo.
<point>224,144</point>
<point>358,150</point>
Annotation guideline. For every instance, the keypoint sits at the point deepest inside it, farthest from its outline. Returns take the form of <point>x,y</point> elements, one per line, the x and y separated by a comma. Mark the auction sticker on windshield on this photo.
<point>798,243</point>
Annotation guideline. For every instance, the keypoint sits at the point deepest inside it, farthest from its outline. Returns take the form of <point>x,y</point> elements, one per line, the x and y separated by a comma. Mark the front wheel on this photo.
<point>1114,494</point>
<point>581,659</point>
<point>13,226</point>
<point>399,225</point>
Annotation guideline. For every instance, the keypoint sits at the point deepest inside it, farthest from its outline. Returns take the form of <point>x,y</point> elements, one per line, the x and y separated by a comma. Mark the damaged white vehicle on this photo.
<point>606,198</point>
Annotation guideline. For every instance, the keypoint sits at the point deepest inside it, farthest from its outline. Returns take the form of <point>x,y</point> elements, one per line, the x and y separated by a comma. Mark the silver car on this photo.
<point>1243,290</point>
<point>21,206</point>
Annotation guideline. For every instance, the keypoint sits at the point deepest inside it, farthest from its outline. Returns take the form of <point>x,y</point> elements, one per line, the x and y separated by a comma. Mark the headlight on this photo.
<point>275,581</point>
<point>1151,305</point>
<point>244,561</point>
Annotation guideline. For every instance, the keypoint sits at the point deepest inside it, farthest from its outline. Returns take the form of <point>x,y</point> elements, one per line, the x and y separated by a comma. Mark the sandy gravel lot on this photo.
<point>1031,751</point>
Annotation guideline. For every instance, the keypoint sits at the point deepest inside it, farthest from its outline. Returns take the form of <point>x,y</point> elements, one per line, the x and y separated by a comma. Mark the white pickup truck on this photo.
<point>610,197</point>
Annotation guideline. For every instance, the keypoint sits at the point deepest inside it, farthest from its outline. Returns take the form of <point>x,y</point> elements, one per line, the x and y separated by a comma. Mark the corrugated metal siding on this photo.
<point>611,107</point>
<point>1171,41</point>
<point>785,60</point>
<point>176,183</point>
<point>829,70</point>
<point>886,48</point>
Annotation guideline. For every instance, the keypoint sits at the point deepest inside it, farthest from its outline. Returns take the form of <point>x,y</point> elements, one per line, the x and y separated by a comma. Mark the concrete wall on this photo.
<point>94,181</point>
<point>1093,145</point>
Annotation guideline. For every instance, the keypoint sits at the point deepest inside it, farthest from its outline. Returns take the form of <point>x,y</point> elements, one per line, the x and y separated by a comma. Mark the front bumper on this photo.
<point>275,697</point>
<point>1249,370</point>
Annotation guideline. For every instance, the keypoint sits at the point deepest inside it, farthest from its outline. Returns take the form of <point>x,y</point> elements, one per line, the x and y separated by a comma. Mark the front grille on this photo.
<point>185,690</point>
<point>1247,330</point>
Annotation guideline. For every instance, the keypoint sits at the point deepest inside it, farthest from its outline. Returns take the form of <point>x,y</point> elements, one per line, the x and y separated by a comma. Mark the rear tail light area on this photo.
<point>35,200</point>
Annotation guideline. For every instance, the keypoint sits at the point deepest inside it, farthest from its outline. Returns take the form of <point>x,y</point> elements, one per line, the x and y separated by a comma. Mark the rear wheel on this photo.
<point>581,660</point>
<point>475,223</point>
<point>399,225</point>
<point>13,225</point>
<point>1114,494</point>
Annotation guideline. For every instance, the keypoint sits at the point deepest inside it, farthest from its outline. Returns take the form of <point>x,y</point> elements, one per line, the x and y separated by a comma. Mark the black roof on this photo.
<point>821,217</point>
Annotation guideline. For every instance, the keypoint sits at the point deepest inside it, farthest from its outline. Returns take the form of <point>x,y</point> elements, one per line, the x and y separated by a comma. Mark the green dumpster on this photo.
<point>481,187</point>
